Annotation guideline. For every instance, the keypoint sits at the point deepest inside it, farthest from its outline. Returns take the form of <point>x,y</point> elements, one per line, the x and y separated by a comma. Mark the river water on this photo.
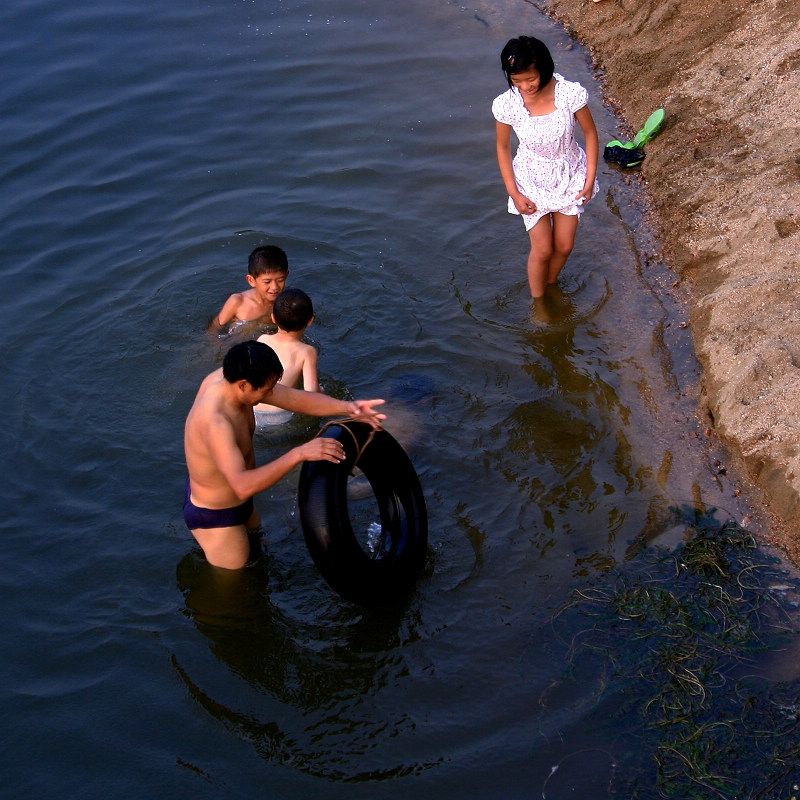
<point>148,147</point>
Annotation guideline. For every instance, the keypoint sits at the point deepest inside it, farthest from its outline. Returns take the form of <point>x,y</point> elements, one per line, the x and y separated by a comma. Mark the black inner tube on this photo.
<point>391,518</point>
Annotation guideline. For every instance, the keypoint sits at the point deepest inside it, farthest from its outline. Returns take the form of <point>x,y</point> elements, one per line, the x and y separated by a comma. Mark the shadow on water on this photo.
<point>681,661</point>
<point>308,702</point>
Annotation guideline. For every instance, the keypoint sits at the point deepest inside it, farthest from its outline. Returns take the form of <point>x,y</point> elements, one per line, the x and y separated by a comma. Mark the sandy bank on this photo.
<point>725,181</point>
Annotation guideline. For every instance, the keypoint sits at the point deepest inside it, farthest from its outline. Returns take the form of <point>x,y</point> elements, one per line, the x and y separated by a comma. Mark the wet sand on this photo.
<point>723,185</point>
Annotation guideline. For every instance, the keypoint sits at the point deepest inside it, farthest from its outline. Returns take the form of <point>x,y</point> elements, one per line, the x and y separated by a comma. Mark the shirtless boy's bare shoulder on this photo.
<point>245,306</point>
<point>268,269</point>
<point>293,312</point>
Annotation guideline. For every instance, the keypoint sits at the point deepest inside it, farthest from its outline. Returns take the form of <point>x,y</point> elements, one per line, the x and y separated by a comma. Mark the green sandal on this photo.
<point>615,151</point>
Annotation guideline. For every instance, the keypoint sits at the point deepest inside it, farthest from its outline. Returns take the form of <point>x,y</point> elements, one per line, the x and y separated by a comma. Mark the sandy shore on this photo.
<point>724,178</point>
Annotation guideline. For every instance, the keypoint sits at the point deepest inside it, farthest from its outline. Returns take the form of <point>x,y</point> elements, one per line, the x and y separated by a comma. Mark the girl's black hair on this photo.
<point>524,53</point>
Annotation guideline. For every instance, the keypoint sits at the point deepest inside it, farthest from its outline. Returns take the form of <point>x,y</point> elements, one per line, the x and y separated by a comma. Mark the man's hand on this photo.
<point>364,411</point>
<point>322,448</point>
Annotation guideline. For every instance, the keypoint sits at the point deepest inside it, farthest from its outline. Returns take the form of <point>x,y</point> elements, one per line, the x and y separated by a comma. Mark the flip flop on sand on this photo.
<point>630,154</point>
<point>651,128</point>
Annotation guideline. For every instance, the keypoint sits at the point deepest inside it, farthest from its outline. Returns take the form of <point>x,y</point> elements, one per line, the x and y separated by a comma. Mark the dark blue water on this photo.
<point>147,148</point>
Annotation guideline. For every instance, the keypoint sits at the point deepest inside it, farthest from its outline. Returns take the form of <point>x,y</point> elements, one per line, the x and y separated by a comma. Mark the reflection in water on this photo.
<point>576,297</point>
<point>565,446</point>
<point>310,691</point>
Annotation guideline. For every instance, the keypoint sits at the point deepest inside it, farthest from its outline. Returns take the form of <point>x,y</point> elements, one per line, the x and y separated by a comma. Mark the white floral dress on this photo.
<point>549,165</point>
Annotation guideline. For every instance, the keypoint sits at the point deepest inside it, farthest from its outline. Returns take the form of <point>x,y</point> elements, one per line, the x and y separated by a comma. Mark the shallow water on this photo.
<point>148,147</point>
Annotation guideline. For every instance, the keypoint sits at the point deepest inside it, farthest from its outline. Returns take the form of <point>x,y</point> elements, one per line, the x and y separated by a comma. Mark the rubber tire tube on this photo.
<point>362,578</point>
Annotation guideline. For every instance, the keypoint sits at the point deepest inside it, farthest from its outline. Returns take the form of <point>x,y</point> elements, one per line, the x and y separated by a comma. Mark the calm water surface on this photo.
<point>148,147</point>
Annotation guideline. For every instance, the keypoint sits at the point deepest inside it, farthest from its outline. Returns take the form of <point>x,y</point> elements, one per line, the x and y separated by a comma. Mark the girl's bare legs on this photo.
<point>552,240</point>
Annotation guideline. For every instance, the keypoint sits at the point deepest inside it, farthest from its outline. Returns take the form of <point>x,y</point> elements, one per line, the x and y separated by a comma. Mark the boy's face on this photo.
<point>268,285</point>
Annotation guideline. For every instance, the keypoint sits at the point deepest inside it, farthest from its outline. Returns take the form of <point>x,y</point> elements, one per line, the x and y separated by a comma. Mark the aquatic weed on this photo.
<point>678,629</point>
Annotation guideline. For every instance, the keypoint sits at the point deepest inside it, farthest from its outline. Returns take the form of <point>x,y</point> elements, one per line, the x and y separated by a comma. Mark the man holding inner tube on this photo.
<point>218,443</point>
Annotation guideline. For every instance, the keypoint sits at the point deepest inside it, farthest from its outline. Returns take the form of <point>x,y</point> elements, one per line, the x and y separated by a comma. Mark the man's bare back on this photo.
<point>215,422</point>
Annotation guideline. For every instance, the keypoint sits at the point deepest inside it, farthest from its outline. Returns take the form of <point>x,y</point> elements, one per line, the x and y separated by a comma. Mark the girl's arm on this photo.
<point>586,121</point>
<point>523,204</point>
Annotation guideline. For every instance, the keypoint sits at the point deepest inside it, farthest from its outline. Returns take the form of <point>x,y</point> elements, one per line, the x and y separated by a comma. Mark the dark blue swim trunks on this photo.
<point>197,517</point>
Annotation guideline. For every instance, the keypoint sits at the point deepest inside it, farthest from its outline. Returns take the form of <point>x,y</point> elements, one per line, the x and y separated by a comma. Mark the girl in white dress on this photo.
<point>550,179</point>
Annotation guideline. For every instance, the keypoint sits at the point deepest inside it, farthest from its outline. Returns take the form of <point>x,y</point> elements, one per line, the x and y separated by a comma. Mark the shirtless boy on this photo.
<point>293,312</point>
<point>267,270</point>
<point>218,443</point>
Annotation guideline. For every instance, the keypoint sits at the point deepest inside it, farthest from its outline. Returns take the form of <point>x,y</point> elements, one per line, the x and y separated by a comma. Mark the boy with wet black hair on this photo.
<point>267,270</point>
<point>293,312</point>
